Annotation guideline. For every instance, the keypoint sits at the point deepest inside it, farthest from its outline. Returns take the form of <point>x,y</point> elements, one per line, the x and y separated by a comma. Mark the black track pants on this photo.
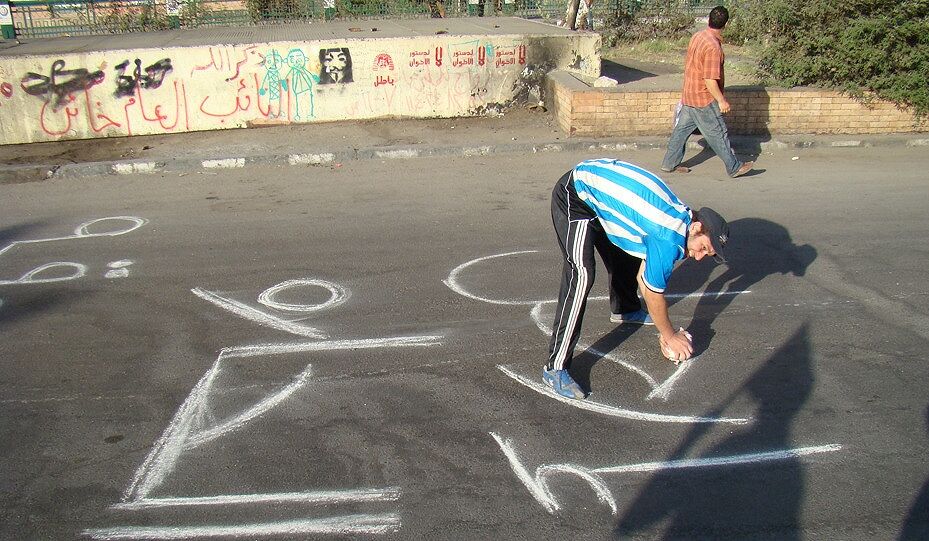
<point>579,233</point>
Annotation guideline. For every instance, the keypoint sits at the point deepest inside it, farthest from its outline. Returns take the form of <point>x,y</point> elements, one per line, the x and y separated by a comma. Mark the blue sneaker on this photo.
<point>639,317</point>
<point>561,382</point>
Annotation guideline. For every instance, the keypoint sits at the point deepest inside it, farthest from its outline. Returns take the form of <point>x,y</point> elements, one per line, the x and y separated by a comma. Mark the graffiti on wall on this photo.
<point>335,66</point>
<point>60,84</point>
<point>154,75</point>
<point>301,84</point>
<point>226,86</point>
<point>6,89</point>
<point>383,69</point>
<point>272,83</point>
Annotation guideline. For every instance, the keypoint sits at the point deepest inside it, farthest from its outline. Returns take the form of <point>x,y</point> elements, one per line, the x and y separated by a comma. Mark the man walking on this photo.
<point>702,100</point>
<point>640,228</point>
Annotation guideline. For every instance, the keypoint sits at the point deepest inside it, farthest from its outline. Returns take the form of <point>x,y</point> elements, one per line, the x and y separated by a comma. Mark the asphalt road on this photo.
<point>354,352</point>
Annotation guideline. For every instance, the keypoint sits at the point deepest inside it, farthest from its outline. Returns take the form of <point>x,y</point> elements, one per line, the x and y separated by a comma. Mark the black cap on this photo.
<point>717,229</point>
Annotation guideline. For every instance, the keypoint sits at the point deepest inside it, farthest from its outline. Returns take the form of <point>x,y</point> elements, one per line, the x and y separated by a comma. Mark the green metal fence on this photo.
<point>55,18</point>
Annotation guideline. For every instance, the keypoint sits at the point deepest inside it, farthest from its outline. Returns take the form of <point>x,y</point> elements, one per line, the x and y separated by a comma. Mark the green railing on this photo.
<point>56,18</point>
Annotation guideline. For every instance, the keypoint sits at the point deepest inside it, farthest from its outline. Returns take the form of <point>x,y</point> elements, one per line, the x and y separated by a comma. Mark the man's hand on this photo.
<point>712,85</point>
<point>678,347</point>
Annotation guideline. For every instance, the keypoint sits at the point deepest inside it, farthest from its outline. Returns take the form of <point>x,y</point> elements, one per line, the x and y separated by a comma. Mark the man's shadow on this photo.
<point>736,501</point>
<point>749,148</point>
<point>757,248</point>
<point>747,126</point>
<point>916,523</point>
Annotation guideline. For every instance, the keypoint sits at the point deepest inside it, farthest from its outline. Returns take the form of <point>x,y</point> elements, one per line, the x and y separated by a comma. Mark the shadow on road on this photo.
<point>16,304</point>
<point>758,248</point>
<point>736,501</point>
<point>13,233</point>
<point>916,523</point>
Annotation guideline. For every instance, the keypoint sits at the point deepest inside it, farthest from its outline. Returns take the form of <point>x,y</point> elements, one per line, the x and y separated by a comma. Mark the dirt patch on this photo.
<point>76,151</point>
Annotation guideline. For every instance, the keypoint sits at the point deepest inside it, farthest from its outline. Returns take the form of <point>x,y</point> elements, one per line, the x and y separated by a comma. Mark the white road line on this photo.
<point>253,314</point>
<point>337,295</point>
<point>348,524</point>
<point>540,489</point>
<point>452,280</point>
<point>323,497</point>
<point>267,403</point>
<point>77,270</point>
<point>536,315</point>
<point>698,294</point>
<point>736,460</point>
<point>613,411</point>
<point>663,391</point>
<point>302,347</point>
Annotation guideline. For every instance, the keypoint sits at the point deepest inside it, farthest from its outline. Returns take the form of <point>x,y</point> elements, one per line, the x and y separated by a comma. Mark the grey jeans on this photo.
<point>711,124</point>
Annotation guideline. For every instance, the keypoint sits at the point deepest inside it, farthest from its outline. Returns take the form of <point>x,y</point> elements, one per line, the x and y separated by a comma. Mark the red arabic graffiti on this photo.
<point>221,60</point>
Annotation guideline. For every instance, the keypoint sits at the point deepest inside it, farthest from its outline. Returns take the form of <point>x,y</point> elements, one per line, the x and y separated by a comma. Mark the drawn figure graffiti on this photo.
<point>51,86</point>
<point>336,66</point>
<point>271,84</point>
<point>301,81</point>
<point>154,76</point>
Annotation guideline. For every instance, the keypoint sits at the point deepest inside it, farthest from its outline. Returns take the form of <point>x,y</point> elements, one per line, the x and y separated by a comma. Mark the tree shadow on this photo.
<point>736,501</point>
<point>623,74</point>
<point>31,304</point>
<point>16,304</point>
<point>758,248</point>
<point>916,523</point>
<point>10,234</point>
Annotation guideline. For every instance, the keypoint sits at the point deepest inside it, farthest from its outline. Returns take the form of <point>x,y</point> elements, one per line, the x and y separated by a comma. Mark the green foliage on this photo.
<point>857,46</point>
<point>634,21</point>
<point>192,12</point>
<point>264,10</point>
<point>367,8</point>
<point>135,18</point>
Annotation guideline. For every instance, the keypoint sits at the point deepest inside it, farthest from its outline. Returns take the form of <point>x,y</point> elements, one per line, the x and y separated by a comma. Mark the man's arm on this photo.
<point>712,85</point>
<point>677,341</point>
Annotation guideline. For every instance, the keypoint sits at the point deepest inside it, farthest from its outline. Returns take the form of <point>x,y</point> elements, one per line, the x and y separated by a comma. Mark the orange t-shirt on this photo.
<point>705,60</point>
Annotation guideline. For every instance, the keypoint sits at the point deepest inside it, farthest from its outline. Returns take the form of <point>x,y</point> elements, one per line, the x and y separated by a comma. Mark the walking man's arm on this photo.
<point>713,86</point>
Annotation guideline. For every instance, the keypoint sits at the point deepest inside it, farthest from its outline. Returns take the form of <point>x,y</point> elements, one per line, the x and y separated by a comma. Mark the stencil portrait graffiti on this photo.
<point>335,66</point>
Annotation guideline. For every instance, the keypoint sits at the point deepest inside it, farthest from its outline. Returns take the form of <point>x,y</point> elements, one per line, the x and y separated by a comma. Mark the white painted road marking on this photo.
<point>540,489</point>
<point>613,411</point>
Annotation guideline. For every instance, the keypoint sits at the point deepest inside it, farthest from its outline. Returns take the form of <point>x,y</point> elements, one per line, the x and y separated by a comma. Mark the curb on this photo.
<point>26,173</point>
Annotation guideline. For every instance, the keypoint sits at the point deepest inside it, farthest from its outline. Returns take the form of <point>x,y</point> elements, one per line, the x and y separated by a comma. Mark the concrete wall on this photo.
<point>582,110</point>
<point>165,90</point>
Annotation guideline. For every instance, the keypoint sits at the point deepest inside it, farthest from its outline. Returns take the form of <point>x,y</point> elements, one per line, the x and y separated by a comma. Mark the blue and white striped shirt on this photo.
<point>638,212</point>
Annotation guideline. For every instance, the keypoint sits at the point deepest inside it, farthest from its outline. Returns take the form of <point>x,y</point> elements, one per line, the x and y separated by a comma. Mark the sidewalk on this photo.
<point>519,130</point>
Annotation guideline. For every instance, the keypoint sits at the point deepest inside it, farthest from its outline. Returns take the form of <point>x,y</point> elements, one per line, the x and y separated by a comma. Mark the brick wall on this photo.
<point>603,112</point>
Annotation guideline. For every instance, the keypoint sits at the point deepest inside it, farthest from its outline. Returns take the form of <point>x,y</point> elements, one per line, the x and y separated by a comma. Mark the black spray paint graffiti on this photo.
<point>154,76</point>
<point>335,66</point>
<point>60,83</point>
